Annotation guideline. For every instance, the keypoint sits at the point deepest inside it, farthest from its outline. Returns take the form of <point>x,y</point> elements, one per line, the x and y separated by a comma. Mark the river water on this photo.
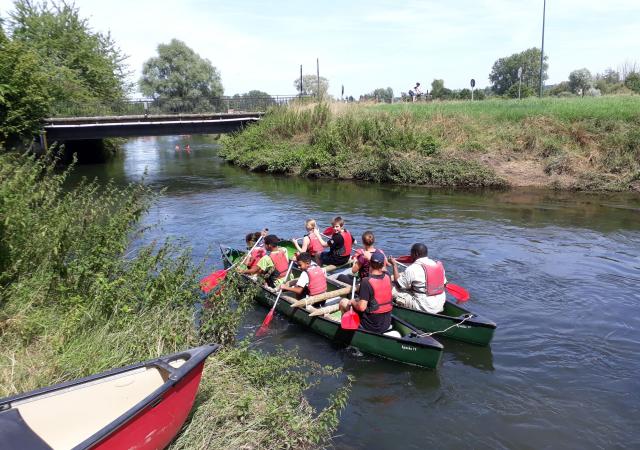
<point>558,272</point>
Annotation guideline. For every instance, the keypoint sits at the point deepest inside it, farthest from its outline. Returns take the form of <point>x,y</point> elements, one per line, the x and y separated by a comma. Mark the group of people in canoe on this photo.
<point>420,286</point>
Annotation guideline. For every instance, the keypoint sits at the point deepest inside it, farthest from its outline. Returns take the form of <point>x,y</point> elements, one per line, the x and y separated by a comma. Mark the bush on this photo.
<point>632,81</point>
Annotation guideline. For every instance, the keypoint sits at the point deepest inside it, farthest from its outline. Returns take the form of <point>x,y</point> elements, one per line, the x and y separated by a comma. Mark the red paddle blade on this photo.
<point>460,293</point>
<point>211,281</point>
<point>350,320</point>
<point>265,324</point>
<point>328,231</point>
<point>406,259</point>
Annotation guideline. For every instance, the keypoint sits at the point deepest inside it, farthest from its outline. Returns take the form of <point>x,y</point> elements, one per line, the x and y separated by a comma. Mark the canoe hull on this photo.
<point>151,423</point>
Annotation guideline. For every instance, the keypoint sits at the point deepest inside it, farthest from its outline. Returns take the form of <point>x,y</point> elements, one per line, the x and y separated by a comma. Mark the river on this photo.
<point>558,272</point>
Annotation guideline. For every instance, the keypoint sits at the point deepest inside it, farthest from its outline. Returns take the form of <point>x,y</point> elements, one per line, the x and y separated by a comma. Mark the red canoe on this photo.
<point>142,406</point>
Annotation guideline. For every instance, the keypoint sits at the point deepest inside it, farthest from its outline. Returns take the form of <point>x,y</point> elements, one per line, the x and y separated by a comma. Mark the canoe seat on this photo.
<point>16,434</point>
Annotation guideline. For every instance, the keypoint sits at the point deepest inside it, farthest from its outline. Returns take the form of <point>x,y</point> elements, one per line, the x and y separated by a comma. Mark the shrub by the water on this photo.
<point>75,299</point>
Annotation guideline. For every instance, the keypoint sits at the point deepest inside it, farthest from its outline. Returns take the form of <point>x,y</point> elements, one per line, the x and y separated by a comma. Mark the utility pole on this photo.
<point>300,80</point>
<point>544,11</point>
<point>318,75</point>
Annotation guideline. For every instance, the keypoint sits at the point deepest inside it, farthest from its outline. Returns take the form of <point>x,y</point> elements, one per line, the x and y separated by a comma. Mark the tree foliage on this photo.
<point>380,94</point>
<point>580,81</point>
<point>310,85</point>
<point>632,81</point>
<point>504,72</point>
<point>438,91</point>
<point>180,79</point>
<point>50,58</point>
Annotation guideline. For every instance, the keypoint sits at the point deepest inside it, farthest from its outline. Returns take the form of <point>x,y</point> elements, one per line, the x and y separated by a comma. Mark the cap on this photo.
<point>377,257</point>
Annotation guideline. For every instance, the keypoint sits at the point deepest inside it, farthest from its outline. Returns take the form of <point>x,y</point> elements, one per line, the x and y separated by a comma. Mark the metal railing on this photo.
<point>201,105</point>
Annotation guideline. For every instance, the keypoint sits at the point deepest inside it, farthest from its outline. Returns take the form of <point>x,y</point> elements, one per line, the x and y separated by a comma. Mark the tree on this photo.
<point>310,85</point>
<point>580,81</point>
<point>180,80</point>
<point>380,94</point>
<point>464,94</point>
<point>439,91</point>
<point>83,66</point>
<point>252,100</point>
<point>632,81</point>
<point>504,72</point>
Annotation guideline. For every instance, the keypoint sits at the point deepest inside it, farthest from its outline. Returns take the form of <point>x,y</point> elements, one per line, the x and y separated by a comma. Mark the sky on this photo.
<point>365,45</point>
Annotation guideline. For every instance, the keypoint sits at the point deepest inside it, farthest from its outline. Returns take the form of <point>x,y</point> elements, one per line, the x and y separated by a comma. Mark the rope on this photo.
<point>455,325</point>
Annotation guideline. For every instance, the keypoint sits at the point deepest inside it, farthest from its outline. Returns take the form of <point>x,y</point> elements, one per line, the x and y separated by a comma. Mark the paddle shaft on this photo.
<point>280,292</point>
<point>245,256</point>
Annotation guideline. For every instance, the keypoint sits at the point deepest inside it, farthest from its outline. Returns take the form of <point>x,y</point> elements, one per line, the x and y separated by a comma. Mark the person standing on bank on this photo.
<point>339,244</point>
<point>421,285</point>
<point>375,301</point>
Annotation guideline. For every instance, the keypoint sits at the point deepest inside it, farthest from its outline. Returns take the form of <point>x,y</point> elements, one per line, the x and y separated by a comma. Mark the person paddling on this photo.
<point>258,252</point>
<point>273,265</point>
<point>311,243</point>
<point>312,280</point>
<point>339,244</point>
<point>375,301</point>
<point>361,258</point>
<point>421,285</point>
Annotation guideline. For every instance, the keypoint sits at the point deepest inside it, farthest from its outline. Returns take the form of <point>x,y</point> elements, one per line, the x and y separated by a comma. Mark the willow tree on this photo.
<point>180,80</point>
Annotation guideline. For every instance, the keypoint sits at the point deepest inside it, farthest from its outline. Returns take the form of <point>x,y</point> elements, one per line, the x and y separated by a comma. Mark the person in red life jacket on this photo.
<point>339,244</point>
<point>311,243</point>
<point>258,252</point>
<point>421,285</point>
<point>312,281</point>
<point>361,259</point>
<point>273,265</point>
<point>375,301</point>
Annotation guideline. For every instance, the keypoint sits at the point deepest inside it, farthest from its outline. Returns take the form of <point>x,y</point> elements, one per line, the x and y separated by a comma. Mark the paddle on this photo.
<point>267,320</point>
<point>351,320</point>
<point>328,231</point>
<point>458,292</point>
<point>212,280</point>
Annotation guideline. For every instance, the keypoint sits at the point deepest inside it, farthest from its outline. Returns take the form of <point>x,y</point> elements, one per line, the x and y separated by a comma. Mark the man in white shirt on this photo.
<point>414,289</point>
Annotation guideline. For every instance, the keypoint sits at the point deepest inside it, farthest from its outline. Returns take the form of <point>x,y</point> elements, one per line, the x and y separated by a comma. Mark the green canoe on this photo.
<point>455,322</point>
<point>413,347</point>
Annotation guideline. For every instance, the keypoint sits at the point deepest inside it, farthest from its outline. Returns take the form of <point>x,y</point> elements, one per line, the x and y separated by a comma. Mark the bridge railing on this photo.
<point>201,105</point>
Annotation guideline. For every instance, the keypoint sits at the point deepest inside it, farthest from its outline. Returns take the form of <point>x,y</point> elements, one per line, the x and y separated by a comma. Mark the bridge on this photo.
<point>149,117</point>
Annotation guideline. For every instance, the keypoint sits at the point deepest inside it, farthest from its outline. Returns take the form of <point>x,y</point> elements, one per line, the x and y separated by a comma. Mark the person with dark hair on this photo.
<point>312,280</point>
<point>361,258</point>
<point>415,92</point>
<point>421,285</point>
<point>339,244</point>
<point>374,302</point>
<point>258,252</point>
<point>273,265</point>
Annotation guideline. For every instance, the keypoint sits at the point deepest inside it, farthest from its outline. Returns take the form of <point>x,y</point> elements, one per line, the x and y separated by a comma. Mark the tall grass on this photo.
<point>577,143</point>
<point>76,300</point>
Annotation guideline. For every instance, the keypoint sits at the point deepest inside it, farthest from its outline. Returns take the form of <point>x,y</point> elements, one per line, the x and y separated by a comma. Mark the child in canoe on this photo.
<point>311,243</point>
<point>361,265</point>
<point>339,244</point>
<point>312,281</point>
<point>274,265</point>
<point>257,252</point>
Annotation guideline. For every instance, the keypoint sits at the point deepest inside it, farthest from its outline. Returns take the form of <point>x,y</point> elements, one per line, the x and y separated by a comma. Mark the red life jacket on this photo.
<point>280,261</point>
<point>314,244</point>
<point>348,242</point>
<point>434,278</point>
<point>382,297</point>
<point>255,256</point>
<point>317,280</point>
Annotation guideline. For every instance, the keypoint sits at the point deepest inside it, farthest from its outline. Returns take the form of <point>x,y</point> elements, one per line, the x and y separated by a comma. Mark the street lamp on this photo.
<point>544,10</point>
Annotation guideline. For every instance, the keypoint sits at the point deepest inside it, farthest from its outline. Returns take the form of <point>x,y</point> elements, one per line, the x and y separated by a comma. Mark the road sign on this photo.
<point>519,72</point>
<point>473,83</point>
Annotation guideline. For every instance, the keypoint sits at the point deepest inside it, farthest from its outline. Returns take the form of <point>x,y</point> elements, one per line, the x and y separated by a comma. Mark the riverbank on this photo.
<point>576,143</point>
<point>75,299</point>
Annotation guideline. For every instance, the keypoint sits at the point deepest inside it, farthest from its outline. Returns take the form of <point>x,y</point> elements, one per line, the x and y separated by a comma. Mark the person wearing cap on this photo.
<point>273,265</point>
<point>421,285</point>
<point>374,304</point>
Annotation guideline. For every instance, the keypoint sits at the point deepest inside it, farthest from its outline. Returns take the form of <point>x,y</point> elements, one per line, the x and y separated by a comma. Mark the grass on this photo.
<point>76,300</point>
<point>572,143</point>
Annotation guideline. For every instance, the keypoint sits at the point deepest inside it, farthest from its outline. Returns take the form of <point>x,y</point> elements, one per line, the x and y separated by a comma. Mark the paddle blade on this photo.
<point>406,259</point>
<point>211,281</point>
<point>350,320</point>
<point>265,324</point>
<point>460,293</point>
<point>328,231</point>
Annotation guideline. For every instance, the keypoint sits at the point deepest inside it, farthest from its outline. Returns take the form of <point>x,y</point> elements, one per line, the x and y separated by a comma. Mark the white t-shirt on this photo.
<point>413,280</point>
<point>303,281</point>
